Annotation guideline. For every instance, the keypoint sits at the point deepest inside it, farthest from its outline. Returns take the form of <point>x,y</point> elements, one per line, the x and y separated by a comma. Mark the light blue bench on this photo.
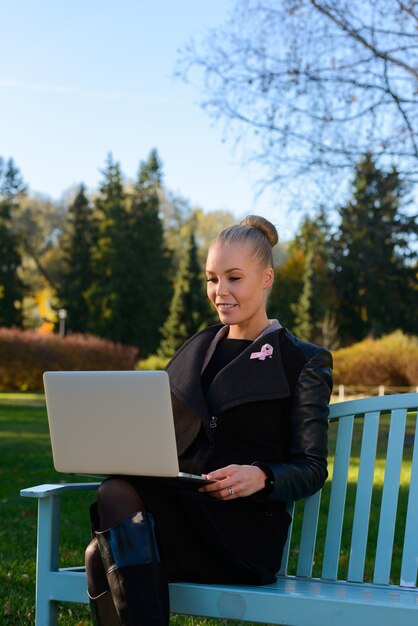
<point>294,600</point>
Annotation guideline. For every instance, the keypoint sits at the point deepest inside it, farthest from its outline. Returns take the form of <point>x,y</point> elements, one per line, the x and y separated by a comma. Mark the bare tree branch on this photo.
<point>356,35</point>
<point>409,9</point>
<point>402,112</point>
<point>315,84</point>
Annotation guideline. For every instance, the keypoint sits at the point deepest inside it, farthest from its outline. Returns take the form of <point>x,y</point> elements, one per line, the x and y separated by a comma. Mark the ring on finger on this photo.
<point>230,491</point>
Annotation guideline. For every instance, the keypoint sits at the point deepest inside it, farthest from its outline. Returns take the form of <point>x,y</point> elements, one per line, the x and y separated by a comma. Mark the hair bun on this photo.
<point>266,227</point>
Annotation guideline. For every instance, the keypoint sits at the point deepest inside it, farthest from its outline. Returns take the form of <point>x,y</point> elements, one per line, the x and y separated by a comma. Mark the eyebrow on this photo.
<point>233,269</point>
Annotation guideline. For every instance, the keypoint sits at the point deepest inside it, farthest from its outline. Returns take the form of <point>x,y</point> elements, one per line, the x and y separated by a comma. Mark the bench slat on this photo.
<point>363,497</point>
<point>44,491</point>
<point>286,550</point>
<point>390,494</point>
<point>298,602</point>
<point>337,498</point>
<point>380,403</point>
<point>308,535</point>
<point>409,567</point>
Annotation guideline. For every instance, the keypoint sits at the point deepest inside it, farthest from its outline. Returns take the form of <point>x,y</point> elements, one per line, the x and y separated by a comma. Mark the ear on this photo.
<point>268,277</point>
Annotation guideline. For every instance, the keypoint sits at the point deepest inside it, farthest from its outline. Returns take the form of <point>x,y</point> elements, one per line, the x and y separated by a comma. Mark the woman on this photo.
<point>250,405</point>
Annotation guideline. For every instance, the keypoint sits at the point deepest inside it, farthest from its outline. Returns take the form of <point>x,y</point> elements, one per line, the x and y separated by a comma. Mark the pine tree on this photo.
<point>146,289</point>
<point>303,297</point>
<point>106,310</point>
<point>317,297</point>
<point>78,245</point>
<point>129,296</point>
<point>304,308</point>
<point>11,286</point>
<point>190,310</point>
<point>150,173</point>
<point>288,283</point>
<point>374,262</point>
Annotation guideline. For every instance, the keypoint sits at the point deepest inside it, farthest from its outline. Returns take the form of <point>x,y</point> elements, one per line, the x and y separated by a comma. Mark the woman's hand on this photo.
<point>235,481</point>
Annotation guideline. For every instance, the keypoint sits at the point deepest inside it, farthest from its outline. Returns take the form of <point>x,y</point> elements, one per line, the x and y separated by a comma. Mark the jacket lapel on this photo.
<point>184,371</point>
<point>265,379</point>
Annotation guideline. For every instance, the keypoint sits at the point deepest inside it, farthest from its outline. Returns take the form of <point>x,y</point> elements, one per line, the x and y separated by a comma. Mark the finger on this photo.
<point>221,489</point>
<point>217,485</point>
<point>231,491</point>
<point>217,475</point>
<point>223,472</point>
<point>222,494</point>
<point>227,493</point>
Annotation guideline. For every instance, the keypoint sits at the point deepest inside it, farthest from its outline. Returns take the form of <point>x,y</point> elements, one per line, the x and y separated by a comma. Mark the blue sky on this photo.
<point>79,79</point>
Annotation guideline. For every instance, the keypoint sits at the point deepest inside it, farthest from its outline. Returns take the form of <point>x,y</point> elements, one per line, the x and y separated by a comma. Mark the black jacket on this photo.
<point>270,412</point>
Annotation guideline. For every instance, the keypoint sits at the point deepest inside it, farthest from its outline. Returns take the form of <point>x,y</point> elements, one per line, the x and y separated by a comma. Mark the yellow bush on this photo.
<point>391,360</point>
<point>153,362</point>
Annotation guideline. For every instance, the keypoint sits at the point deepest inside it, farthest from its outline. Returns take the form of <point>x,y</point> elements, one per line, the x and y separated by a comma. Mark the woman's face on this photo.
<point>237,286</point>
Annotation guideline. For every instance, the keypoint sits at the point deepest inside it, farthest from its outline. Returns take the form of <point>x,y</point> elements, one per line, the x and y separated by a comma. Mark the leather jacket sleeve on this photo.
<point>305,469</point>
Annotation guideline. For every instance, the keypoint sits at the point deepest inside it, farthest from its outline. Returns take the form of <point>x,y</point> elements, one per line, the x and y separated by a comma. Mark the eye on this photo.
<point>234,278</point>
<point>211,279</point>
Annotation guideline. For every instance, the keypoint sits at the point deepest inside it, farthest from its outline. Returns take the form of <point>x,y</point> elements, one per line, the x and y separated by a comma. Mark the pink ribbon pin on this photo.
<point>266,350</point>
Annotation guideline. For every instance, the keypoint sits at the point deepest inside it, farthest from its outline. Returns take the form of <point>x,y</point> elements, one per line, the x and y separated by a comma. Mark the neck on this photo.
<point>248,331</point>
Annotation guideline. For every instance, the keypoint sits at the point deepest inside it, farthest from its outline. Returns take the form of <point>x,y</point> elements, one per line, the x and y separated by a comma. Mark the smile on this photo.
<point>225,307</point>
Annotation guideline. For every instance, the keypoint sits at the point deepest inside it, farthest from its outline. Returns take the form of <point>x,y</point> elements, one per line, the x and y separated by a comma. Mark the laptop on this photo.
<point>111,422</point>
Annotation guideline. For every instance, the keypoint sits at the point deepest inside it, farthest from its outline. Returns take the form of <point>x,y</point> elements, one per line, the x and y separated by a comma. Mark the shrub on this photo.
<point>391,360</point>
<point>25,355</point>
<point>153,362</point>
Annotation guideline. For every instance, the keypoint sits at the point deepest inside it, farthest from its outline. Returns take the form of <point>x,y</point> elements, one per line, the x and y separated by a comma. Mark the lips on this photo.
<point>225,306</point>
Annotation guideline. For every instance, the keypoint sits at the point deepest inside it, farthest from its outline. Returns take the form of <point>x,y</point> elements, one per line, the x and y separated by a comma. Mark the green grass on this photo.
<point>25,460</point>
<point>26,398</point>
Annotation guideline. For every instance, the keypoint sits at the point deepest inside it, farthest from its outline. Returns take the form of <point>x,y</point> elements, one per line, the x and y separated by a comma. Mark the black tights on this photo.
<point>116,499</point>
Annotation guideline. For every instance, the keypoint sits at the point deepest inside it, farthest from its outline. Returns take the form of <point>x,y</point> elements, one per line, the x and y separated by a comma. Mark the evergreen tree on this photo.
<point>107,312</point>
<point>78,245</point>
<point>129,297</point>
<point>146,289</point>
<point>305,306</point>
<point>374,262</point>
<point>189,310</point>
<point>314,234</point>
<point>303,296</point>
<point>151,173</point>
<point>11,286</point>
<point>287,286</point>
<point>317,297</point>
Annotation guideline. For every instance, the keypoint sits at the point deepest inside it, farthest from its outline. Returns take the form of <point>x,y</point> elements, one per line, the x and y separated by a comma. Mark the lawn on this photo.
<point>25,460</point>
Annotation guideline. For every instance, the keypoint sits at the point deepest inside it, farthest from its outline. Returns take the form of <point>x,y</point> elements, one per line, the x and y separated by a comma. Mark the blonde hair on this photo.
<point>259,232</point>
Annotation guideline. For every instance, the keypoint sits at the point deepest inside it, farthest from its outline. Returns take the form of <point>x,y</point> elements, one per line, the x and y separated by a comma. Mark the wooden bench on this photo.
<point>298,599</point>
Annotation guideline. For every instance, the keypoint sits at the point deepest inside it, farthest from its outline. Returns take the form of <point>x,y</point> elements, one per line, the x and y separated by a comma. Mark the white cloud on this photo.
<point>84,93</point>
<point>58,89</point>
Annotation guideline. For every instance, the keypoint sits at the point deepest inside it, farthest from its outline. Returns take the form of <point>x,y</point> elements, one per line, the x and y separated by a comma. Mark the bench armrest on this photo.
<point>44,491</point>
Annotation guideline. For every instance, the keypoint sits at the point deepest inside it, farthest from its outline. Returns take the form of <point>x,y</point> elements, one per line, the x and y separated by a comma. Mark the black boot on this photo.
<point>103,610</point>
<point>102,607</point>
<point>135,574</point>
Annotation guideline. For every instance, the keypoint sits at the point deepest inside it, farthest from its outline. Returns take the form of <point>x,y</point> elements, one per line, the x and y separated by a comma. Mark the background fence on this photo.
<point>347,392</point>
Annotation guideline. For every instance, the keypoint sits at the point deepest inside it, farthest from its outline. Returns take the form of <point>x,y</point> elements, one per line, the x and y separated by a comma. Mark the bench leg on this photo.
<point>47,559</point>
<point>46,612</point>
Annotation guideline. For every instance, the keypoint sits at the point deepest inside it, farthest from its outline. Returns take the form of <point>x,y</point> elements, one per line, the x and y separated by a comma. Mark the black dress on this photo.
<point>197,534</point>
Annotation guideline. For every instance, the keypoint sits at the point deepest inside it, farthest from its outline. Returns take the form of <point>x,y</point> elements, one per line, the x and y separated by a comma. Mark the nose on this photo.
<point>221,288</point>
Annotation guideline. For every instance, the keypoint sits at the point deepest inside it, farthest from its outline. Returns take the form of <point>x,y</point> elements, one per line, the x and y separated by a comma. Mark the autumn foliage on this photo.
<point>25,355</point>
<point>391,360</point>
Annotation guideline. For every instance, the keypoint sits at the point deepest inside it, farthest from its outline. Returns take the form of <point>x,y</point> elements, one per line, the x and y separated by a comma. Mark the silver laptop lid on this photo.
<point>111,422</point>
